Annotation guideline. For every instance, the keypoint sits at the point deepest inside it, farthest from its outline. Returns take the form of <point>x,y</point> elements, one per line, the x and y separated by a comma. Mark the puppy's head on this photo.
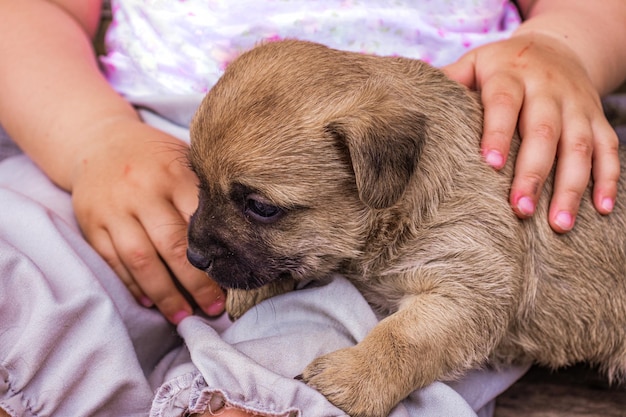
<point>295,148</point>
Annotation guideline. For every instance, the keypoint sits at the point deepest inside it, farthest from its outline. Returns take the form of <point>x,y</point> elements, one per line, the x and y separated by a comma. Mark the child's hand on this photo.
<point>536,82</point>
<point>133,195</point>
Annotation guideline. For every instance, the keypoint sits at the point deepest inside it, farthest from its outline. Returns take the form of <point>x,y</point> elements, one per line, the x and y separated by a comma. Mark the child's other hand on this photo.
<point>133,195</point>
<point>537,83</point>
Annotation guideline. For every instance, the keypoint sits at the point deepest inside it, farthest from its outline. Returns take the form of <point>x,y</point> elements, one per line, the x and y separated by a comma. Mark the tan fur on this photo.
<point>375,163</point>
<point>239,301</point>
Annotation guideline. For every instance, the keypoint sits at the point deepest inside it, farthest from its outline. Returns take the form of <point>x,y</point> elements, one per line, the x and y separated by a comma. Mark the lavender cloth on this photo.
<point>72,340</point>
<point>253,363</point>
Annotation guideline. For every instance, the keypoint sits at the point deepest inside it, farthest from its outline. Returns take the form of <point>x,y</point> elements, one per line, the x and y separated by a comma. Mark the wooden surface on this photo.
<point>573,392</point>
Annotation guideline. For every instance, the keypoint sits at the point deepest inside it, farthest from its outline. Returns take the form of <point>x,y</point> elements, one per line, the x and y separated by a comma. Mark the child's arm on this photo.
<point>548,78</point>
<point>131,189</point>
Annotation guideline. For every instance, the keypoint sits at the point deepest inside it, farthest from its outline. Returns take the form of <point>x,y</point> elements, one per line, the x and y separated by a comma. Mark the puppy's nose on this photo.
<point>199,260</point>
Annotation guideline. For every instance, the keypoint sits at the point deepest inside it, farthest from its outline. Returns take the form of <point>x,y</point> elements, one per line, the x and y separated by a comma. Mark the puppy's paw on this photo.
<point>349,380</point>
<point>239,301</point>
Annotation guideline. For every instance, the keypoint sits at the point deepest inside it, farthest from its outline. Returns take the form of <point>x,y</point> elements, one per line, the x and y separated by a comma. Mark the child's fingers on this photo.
<point>573,170</point>
<point>168,233</point>
<point>100,240</point>
<point>502,98</point>
<point>606,167</point>
<point>540,129</point>
<point>148,271</point>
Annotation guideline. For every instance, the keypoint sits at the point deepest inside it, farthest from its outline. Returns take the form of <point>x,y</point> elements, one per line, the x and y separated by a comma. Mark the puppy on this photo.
<point>313,161</point>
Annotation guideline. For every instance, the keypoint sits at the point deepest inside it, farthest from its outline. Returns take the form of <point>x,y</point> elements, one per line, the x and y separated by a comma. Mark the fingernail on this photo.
<point>526,206</point>
<point>494,158</point>
<point>564,220</point>
<point>216,308</point>
<point>146,302</point>
<point>607,204</point>
<point>178,317</point>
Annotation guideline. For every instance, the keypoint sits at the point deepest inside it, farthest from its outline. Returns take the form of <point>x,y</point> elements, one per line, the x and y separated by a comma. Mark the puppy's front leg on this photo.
<point>430,338</point>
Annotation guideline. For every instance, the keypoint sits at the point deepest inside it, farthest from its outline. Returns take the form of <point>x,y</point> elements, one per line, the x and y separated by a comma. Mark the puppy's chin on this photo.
<point>236,271</point>
<point>236,275</point>
<point>247,281</point>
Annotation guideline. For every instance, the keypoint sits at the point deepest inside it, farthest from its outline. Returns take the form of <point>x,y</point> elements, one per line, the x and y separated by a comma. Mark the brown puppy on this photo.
<point>313,160</point>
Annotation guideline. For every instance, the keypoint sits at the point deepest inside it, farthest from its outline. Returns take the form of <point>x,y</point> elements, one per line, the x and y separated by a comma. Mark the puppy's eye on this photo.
<point>260,210</point>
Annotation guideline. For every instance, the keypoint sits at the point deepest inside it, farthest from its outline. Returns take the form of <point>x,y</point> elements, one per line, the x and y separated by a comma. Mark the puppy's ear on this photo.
<point>384,142</point>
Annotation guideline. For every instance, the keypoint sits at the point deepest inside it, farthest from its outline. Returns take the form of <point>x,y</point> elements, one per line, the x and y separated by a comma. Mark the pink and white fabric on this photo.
<point>183,46</point>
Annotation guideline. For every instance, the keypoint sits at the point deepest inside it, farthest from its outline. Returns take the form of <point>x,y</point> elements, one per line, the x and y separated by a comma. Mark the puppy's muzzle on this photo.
<point>199,260</point>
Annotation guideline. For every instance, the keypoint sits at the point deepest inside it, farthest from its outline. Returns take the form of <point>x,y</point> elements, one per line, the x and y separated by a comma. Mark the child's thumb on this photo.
<point>462,71</point>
